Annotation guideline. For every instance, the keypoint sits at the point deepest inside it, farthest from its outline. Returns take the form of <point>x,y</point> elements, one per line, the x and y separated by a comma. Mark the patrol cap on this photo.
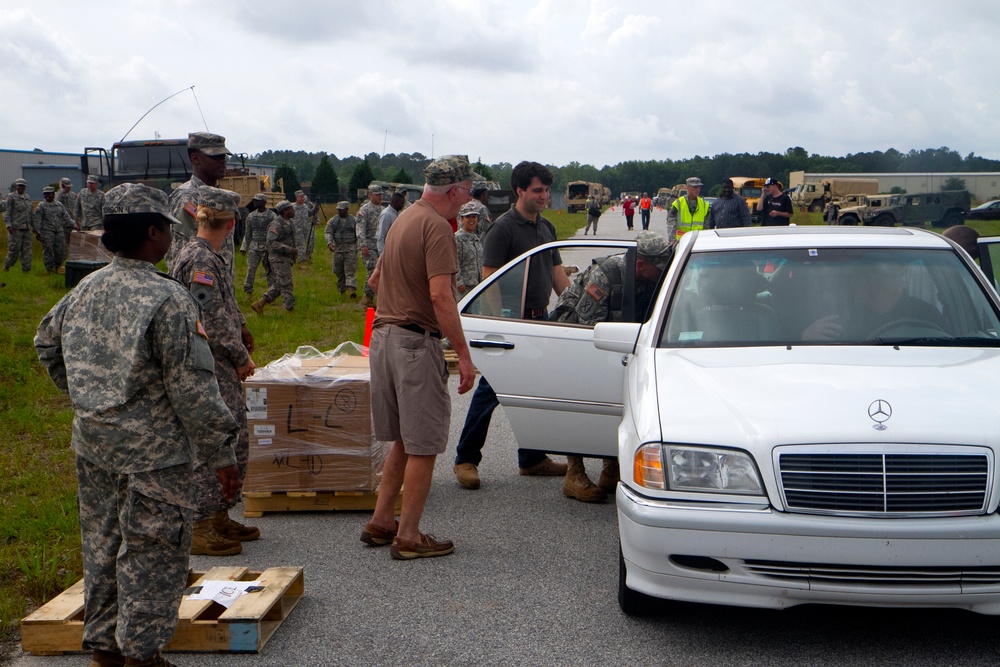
<point>208,143</point>
<point>400,190</point>
<point>217,198</point>
<point>478,187</point>
<point>654,248</point>
<point>448,170</point>
<point>693,182</point>
<point>260,196</point>
<point>343,205</point>
<point>131,198</point>
<point>65,181</point>
<point>375,189</point>
<point>92,179</point>
<point>283,206</point>
<point>20,181</point>
<point>468,208</point>
<point>300,192</point>
<point>48,189</point>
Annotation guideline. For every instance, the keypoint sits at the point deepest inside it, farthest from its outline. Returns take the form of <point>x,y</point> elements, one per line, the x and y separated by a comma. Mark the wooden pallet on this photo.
<point>452,359</point>
<point>255,503</point>
<point>203,625</point>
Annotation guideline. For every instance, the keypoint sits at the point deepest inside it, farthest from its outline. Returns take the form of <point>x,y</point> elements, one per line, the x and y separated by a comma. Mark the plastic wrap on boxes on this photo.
<point>86,247</point>
<point>309,418</point>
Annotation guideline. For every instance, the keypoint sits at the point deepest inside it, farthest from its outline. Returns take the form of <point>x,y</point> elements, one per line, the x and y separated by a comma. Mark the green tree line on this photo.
<point>632,175</point>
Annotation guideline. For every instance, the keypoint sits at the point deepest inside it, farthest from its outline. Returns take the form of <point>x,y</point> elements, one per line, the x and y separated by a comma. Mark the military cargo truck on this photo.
<point>813,197</point>
<point>577,193</point>
<point>940,209</point>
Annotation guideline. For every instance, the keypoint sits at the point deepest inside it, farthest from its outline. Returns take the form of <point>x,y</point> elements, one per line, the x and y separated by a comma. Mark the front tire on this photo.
<point>632,603</point>
<point>849,220</point>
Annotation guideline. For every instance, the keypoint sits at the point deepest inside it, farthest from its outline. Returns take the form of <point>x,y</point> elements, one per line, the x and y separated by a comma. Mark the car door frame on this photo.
<point>574,403</point>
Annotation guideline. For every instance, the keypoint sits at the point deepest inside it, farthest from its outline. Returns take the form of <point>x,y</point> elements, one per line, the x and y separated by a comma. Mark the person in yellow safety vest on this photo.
<point>688,212</point>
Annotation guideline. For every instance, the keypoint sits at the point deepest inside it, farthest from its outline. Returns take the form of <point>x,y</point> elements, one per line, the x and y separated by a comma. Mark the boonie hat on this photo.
<point>448,170</point>
<point>208,143</point>
<point>375,189</point>
<point>131,198</point>
<point>48,189</point>
<point>283,206</point>
<point>343,205</point>
<point>654,248</point>
<point>468,208</point>
<point>217,198</point>
<point>693,182</point>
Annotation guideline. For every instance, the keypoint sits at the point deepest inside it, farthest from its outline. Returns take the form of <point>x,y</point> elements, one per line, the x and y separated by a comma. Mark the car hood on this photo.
<point>766,396</point>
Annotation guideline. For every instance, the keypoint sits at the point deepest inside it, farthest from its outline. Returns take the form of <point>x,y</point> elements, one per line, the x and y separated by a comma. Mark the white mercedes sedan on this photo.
<point>801,414</point>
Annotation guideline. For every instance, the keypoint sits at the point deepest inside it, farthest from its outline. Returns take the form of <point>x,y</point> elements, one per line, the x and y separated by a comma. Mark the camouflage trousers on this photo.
<point>136,538</point>
<point>208,489</point>
<point>345,267</point>
<point>281,282</point>
<point>305,239</point>
<point>256,258</point>
<point>370,262</point>
<point>592,220</point>
<point>53,248</point>
<point>19,243</point>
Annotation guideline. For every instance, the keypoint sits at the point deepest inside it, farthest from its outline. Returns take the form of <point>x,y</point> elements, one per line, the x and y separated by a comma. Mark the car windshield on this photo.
<point>824,296</point>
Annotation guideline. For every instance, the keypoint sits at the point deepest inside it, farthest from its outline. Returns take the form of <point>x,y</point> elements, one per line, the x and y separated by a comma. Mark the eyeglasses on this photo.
<point>459,187</point>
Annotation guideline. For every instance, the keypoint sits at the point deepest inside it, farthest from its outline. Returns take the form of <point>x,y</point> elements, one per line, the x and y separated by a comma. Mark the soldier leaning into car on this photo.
<point>128,347</point>
<point>254,244</point>
<point>20,227</point>
<point>342,240</point>
<point>52,222</point>
<point>204,271</point>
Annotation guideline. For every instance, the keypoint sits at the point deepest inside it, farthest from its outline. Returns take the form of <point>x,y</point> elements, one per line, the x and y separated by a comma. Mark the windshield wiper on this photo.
<point>941,341</point>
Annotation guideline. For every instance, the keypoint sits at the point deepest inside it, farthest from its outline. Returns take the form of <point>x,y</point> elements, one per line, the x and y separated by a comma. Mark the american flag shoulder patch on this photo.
<point>203,278</point>
<point>595,292</point>
<point>201,330</point>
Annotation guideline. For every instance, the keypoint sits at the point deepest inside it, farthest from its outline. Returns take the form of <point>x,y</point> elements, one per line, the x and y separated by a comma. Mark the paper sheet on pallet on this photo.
<point>223,592</point>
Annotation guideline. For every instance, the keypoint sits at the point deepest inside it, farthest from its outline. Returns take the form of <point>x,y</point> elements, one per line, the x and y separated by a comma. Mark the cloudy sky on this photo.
<point>556,81</point>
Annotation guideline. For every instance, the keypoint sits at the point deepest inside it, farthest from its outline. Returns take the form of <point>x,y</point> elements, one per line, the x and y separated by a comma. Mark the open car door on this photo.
<point>559,392</point>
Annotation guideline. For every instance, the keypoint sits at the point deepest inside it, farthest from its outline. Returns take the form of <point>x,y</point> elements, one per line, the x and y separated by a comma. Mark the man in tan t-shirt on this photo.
<point>415,283</point>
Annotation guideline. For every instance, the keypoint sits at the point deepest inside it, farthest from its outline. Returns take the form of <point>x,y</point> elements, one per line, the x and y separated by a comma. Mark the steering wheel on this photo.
<point>907,322</point>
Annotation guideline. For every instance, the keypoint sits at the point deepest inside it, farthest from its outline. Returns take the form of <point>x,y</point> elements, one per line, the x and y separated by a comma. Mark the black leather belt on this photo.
<point>419,330</point>
<point>534,313</point>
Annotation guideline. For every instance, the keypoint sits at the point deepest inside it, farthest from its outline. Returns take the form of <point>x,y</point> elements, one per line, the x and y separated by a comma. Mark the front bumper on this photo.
<point>755,557</point>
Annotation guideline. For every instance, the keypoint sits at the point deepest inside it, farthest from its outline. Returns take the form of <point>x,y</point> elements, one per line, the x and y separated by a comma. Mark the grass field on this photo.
<point>39,536</point>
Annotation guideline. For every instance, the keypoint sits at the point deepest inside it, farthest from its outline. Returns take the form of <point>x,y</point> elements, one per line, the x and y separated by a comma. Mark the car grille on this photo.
<point>817,574</point>
<point>885,484</point>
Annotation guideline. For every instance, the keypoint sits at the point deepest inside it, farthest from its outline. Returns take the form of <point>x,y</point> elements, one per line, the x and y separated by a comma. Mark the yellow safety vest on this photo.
<point>686,220</point>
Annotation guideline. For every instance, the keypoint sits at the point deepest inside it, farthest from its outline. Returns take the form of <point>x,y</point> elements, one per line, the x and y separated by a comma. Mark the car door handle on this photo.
<point>502,344</point>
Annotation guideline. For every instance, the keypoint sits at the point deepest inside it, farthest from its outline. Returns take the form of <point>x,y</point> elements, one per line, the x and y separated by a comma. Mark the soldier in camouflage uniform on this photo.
<point>595,295</point>
<point>255,241</point>
<point>368,216</point>
<point>470,250</point>
<point>302,222</point>
<point>128,347</point>
<point>281,253</point>
<point>342,240</point>
<point>479,195</point>
<point>208,164</point>
<point>52,222</point>
<point>20,226</point>
<point>89,204</point>
<point>66,197</point>
<point>201,268</point>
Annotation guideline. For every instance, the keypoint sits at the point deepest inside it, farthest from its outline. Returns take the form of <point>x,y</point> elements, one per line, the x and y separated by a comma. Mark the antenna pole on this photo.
<point>158,104</point>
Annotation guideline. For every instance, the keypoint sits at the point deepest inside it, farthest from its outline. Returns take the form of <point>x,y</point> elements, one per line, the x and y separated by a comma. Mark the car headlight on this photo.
<point>700,469</point>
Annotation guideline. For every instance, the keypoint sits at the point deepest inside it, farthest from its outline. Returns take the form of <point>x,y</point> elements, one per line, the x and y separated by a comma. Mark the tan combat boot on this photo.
<point>207,542</point>
<point>610,474</point>
<point>258,306</point>
<point>233,530</point>
<point>367,302</point>
<point>578,485</point>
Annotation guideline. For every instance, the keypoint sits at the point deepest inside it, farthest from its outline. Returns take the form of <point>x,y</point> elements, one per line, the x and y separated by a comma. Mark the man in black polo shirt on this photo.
<point>518,230</point>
